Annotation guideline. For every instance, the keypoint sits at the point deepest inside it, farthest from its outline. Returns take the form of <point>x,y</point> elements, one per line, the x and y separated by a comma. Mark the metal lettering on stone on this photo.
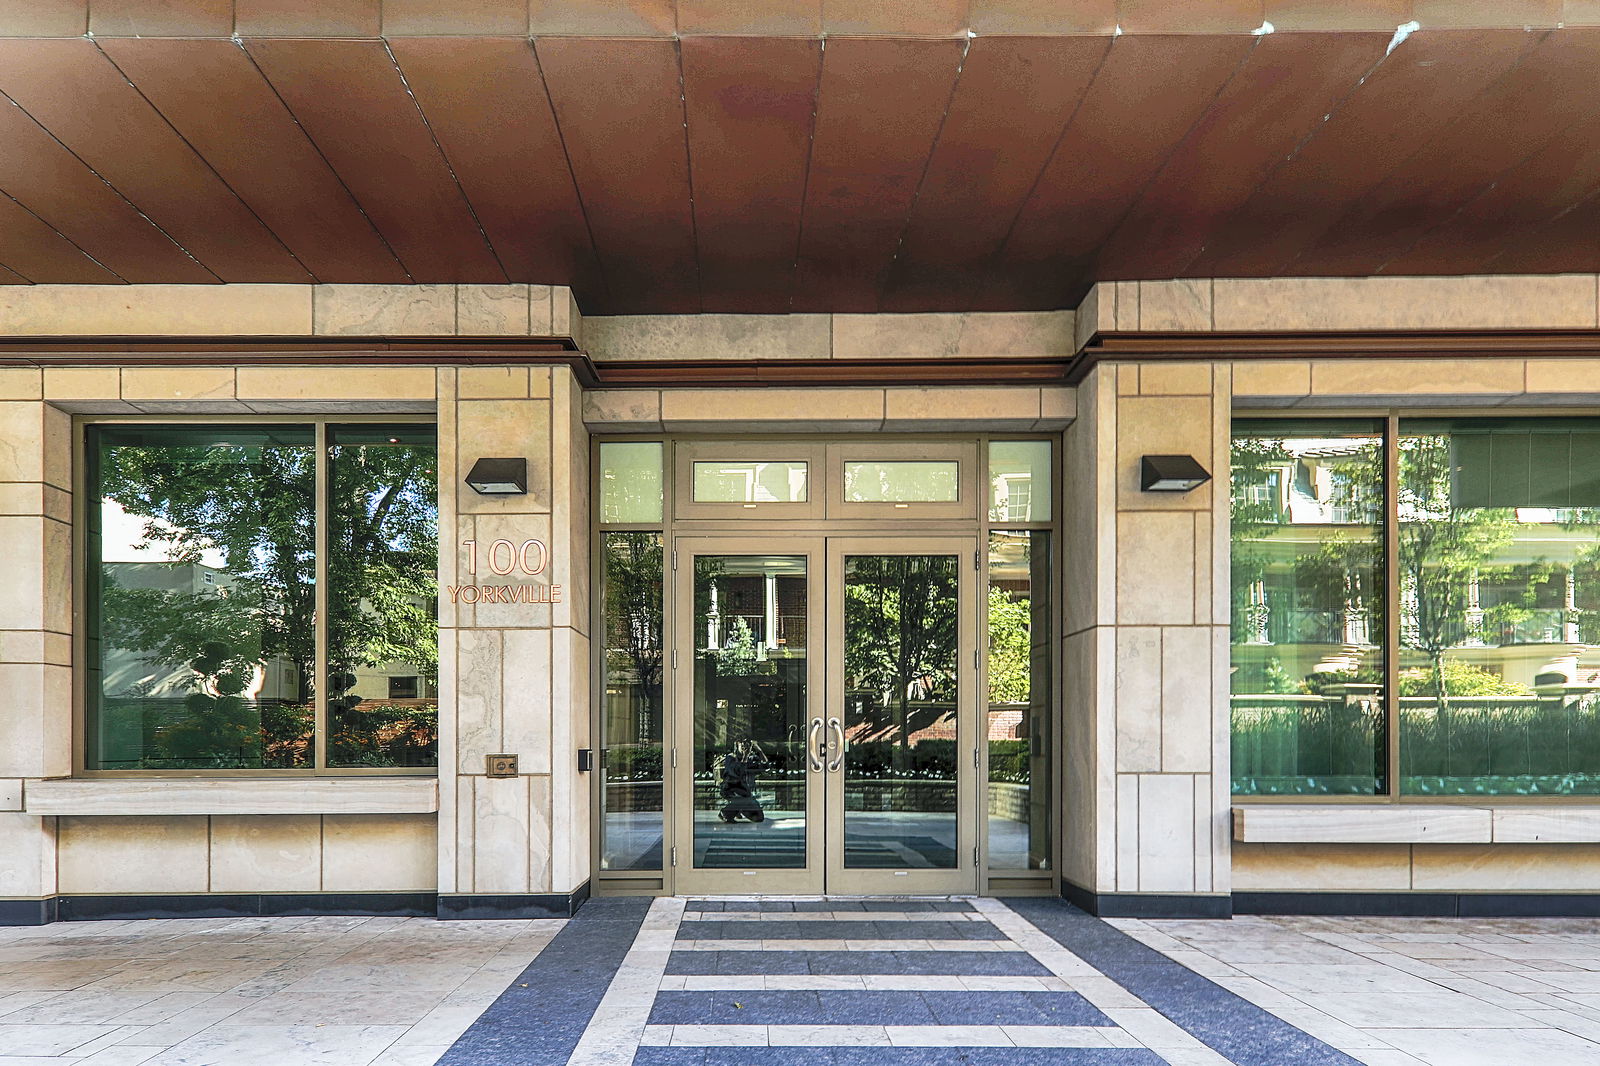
<point>504,558</point>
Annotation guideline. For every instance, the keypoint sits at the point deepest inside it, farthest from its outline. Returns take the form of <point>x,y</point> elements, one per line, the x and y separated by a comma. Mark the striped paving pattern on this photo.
<point>886,982</point>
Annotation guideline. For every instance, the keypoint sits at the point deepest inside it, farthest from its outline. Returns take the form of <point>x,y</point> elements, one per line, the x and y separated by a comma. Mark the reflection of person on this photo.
<point>738,774</point>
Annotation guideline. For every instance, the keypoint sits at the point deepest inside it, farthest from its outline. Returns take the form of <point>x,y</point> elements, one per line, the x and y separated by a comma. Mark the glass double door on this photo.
<point>826,725</point>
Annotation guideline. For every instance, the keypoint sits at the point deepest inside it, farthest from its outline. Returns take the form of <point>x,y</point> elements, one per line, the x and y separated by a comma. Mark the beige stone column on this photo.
<point>513,675</point>
<point>1147,640</point>
<point>35,623</point>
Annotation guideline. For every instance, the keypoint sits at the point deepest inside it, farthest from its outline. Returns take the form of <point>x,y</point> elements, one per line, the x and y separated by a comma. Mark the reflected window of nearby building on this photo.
<point>632,713</point>
<point>1020,622</point>
<point>733,481</point>
<point>1019,481</point>
<point>202,597</point>
<point>1019,719</point>
<point>1489,619</point>
<point>1309,715</point>
<point>631,482</point>
<point>897,481</point>
<point>1499,670</point>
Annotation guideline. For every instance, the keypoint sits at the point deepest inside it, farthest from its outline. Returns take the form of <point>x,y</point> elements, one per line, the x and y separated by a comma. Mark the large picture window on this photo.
<point>1486,630</point>
<point>261,597</point>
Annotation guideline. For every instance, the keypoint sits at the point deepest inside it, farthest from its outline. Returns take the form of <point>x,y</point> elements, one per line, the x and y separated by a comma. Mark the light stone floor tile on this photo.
<point>389,991</point>
<point>1491,1047</point>
<point>1416,992</point>
<point>1192,1056</point>
<point>281,1045</point>
<point>948,1036</point>
<point>823,1035</point>
<point>719,1036</point>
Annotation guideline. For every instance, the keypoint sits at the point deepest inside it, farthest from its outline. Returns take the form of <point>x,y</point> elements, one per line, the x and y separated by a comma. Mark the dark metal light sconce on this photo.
<point>499,477</point>
<point>1171,473</point>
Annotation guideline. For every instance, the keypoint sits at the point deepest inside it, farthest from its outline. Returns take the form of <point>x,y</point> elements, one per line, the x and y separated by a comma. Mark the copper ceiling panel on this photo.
<point>34,250</point>
<point>1148,94</point>
<point>210,91</point>
<point>71,89</point>
<point>1509,122</point>
<point>353,104</point>
<point>11,277</point>
<point>1509,218</point>
<point>750,104</point>
<point>55,185</point>
<point>1014,98</point>
<point>621,116</point>
<point>878,114</point>
<point>1429,80</point>
<point>1282,93</point>
<point>486,102</point>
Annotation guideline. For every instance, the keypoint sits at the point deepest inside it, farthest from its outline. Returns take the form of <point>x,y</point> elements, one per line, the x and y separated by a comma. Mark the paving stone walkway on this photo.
<point>812,982</point>
<point>881,982</point>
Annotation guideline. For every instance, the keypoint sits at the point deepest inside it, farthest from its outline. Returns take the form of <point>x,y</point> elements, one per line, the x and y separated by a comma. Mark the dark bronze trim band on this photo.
<point>1133,346</point>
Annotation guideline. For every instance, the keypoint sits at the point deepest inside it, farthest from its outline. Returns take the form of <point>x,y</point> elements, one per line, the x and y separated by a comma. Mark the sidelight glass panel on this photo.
<point>910,481</point>
<point>1019,481</point>
<point>1308,708</point>
<point>383,596</point>
<point>750,712</point>
<point>630,482</point>
<point>1019,700</point>
<point>201,597</point>
<point>1499,587</point>
<point>632,769</point>
<point>732,481</point>
<point>901,639</point>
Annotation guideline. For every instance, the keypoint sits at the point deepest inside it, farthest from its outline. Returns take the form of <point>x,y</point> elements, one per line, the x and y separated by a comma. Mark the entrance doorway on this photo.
<point>831,740</point>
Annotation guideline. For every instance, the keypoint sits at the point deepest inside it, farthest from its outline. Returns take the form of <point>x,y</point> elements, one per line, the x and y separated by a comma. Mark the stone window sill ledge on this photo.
<point>174,796</point>
<point>1406,823</point>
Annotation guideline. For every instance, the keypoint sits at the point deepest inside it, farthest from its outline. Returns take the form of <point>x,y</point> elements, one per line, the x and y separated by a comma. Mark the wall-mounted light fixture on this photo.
<point>1171,473</point>
<point>499,477</point>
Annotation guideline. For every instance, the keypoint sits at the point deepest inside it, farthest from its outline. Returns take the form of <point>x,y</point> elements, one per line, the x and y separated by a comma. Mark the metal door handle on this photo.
<point>816,746</point>
<point>837,726</point>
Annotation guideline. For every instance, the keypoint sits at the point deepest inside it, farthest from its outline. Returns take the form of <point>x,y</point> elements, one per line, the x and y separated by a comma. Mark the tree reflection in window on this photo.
<point>202,606</point>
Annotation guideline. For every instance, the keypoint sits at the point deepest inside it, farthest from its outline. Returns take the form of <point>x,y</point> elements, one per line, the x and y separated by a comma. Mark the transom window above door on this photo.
<point>793,480</point>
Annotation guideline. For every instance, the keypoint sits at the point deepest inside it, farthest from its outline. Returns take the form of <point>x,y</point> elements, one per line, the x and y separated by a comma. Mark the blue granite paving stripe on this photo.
<point>540,1018</point>
<point>1232,1026</point>
<point>876,1007</point>
<point>945,963</point>
<point>778,929</point>
<point>895,1056</point>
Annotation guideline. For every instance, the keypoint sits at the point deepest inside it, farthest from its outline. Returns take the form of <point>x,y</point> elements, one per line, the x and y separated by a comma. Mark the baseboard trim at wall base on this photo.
<point>27,911</point>
<point>245,905</point>
<point>1146,904</point>
<point>1422,904</point>
<point>289,904</point>
<point>481,907</point>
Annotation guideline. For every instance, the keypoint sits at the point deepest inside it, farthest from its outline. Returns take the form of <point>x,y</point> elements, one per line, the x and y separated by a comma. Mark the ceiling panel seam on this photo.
<point>927,164</point>
<point>1138,197</point>
<point>102,179</point>
<point>317,148</point>
<point>1488,186</point>
<point>203,160</point>
<point>1294,153</point>
<point>688,175</point>
<point>47,224</point>
<point>577,189</point>
<point>445,157</point>
<point>805,186</point>
<point>987,275</point>
<point>1316,243</point>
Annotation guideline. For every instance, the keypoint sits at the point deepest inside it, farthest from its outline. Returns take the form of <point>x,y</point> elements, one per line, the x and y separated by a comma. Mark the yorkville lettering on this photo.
<point>504,593</point>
